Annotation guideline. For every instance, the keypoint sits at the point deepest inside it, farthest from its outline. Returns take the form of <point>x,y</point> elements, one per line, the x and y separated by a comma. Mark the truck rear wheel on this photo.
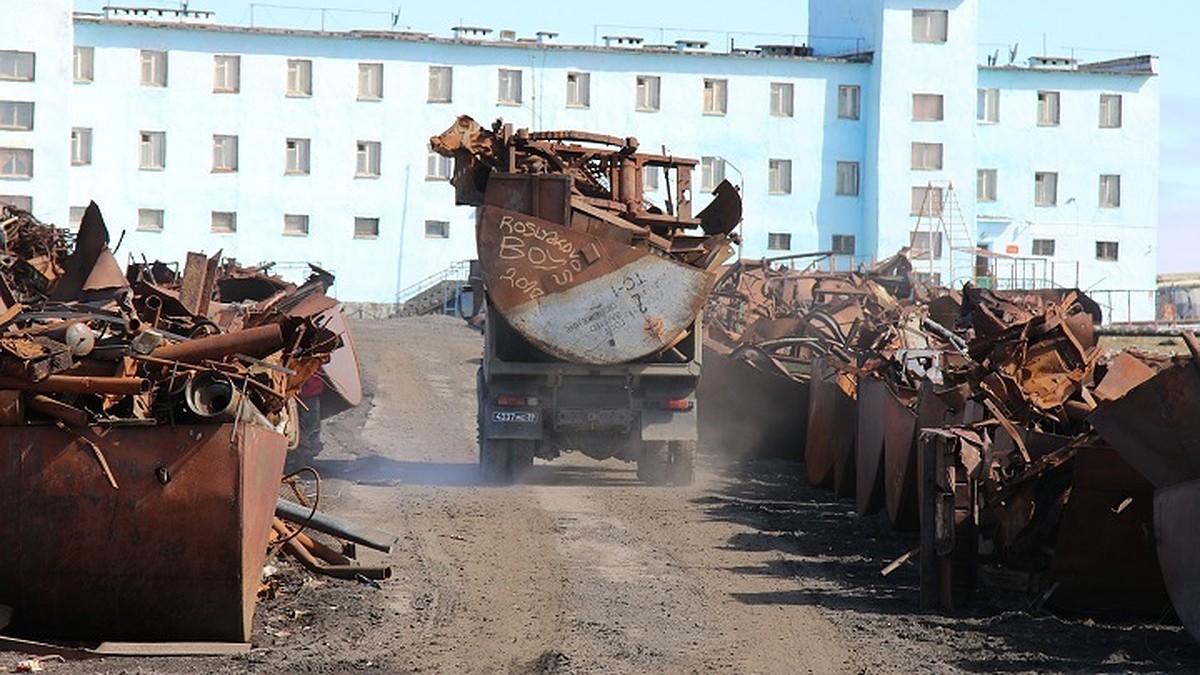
<point>653,466</point>
<point>493,461</point>
<point>683,462</point>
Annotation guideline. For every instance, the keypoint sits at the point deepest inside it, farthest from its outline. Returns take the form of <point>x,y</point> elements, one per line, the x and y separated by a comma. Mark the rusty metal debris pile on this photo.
<point>158,403</point>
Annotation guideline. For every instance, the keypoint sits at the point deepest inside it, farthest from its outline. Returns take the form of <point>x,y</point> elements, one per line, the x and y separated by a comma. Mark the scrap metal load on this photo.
<point>147,417</point>
<point>573,255</point>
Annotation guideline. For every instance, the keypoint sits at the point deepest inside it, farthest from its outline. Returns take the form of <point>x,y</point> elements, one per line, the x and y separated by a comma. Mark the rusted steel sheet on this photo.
<point>1103,558</point>
<point>900,459</point>
<point>873,398</point>
<point>342,368</point>
<point>1176,512</point>
<point>749,406</point>
<point>175,554</point>
<point>1156,426</point>
<point>831,423</point>
<point>582,298</point>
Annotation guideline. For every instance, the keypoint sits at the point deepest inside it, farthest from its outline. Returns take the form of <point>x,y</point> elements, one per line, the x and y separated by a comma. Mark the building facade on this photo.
<point>294,145</point>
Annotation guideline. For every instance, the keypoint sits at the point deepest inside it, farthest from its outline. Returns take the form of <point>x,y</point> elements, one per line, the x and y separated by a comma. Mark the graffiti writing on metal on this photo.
<point>540,248</point>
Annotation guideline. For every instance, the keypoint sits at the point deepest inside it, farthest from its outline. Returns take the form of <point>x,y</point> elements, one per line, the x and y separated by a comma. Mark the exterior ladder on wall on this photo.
<point>941,217</point>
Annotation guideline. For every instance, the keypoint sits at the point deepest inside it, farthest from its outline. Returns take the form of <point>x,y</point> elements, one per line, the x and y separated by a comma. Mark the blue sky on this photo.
<point>1091,29</point>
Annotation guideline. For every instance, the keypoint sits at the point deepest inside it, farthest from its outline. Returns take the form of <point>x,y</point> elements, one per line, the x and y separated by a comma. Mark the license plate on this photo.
<point>523,416</point>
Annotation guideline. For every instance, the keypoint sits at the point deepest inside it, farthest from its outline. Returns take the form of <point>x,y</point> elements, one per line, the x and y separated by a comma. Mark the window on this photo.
<point>16,115</point>
<point>1110,111</point>
<point>987,106</point>
<point>370,81</point>
<point>927,108</point>
<point>647,92</point>
<point>299,77</point>
<point>985,185</point>
<point>779,241</point>
<point>150,220</point>
<point>848,96</point>
<point>847,179</point>
<point>297,155</point>
<point>510,87</point>
<point>929,25</point>
<point>75,215</point>
<point>579,90</point>
<point>1043,247</point>
<point>366,228</point>
<point>715,97</point>
<point>925,245</point>
<point>1107,250</point>
<point>227,74</point>
<point>368,159</point>
<point>782,99</point>
<point>650,179</point>
<point>779,176</point>
<point>153,153</point>
<point>1047,108</point>
<point>225,153</point>
<point>926,156</point>
<point>926,201</point>
<point>224,222</point>
<point>1110,191</point>
<point>16,163</point>
<point>81,146</point>
<point>438,167</point>
<point>843,244</point>
<point>85,59</point>
<point>439,84</point>
<point>1045,188</point>
<point>154,68</point>
<point>23,202</point>
<point>712,172</point>
<point>295,225</point>
<point>17,66</point>
<point>437,229</point>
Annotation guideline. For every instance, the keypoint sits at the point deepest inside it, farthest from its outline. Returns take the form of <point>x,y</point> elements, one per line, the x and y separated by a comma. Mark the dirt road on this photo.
<point>585,570</point>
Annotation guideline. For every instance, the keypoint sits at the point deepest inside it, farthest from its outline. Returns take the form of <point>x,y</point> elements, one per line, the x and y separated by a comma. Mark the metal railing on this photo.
<point>458,272</point>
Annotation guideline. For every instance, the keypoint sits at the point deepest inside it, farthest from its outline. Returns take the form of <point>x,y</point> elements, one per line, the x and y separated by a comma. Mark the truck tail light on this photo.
<point>677,404</point>
<point>509,400</point>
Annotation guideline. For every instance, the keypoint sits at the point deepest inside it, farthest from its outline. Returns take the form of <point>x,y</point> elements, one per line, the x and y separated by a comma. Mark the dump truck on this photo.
<point>593,296</point>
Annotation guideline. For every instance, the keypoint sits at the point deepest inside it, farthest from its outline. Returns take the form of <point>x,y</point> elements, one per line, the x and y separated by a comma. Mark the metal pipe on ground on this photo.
<point>322,522</point>
<point>71,384</point>
<point>310,562</point>
<point>258,342</point>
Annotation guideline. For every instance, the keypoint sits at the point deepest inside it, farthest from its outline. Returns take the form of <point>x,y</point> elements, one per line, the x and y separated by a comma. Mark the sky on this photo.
<point>1091,30</point>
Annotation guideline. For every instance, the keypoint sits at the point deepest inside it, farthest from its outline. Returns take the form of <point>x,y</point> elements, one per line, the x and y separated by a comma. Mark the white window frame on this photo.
<point>16,163</point>
<point>437,229</point>
<point>81,146</point>
<point>716,96</point>
<point>1045,188</point>
<point>152,150</point>
<point>847,184</point>
<point>366,227</point>
<point>650,178</point>
<point>23,202</point>
<point>1108,251</point>
<point>930,25</point>
<point>1110,111</point>
<point>985,185</point>
<point>925,245</point>
<point>783,99</point>
<point>17,66</point>
<point>712,172</point>
<point>297,156</point>
<point>84,64</point>
<point>1049,108</point>
<point>927,156</point>
<point>779,241</point>
<point>74,215</point>
<point>779,176</point>
<point>849,101</point>
<point>927,201</point>
<point>441,84</point>
<point>928,107</point>
<point>508,86</point>
<point>154,68</point>
<point>579,90</point>
<point>648,90</point>
<point>367,159</point>
<point>150,220</point>
<point>16,115</point>
<point>299,78</point>
<point>987,106</point>
<point>1043,247</point>
<point>223,222</point>
<point>438,167</point>
<point>370,81</point>
<point>225,153</point>
<point>295,225</point>
<point>227,73</point>
<point>838,244</point>
<point>1110,191</point>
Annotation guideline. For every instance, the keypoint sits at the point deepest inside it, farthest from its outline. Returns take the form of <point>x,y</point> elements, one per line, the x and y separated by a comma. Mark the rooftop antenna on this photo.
<point>1012,53</point>
<point>395,18</point>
